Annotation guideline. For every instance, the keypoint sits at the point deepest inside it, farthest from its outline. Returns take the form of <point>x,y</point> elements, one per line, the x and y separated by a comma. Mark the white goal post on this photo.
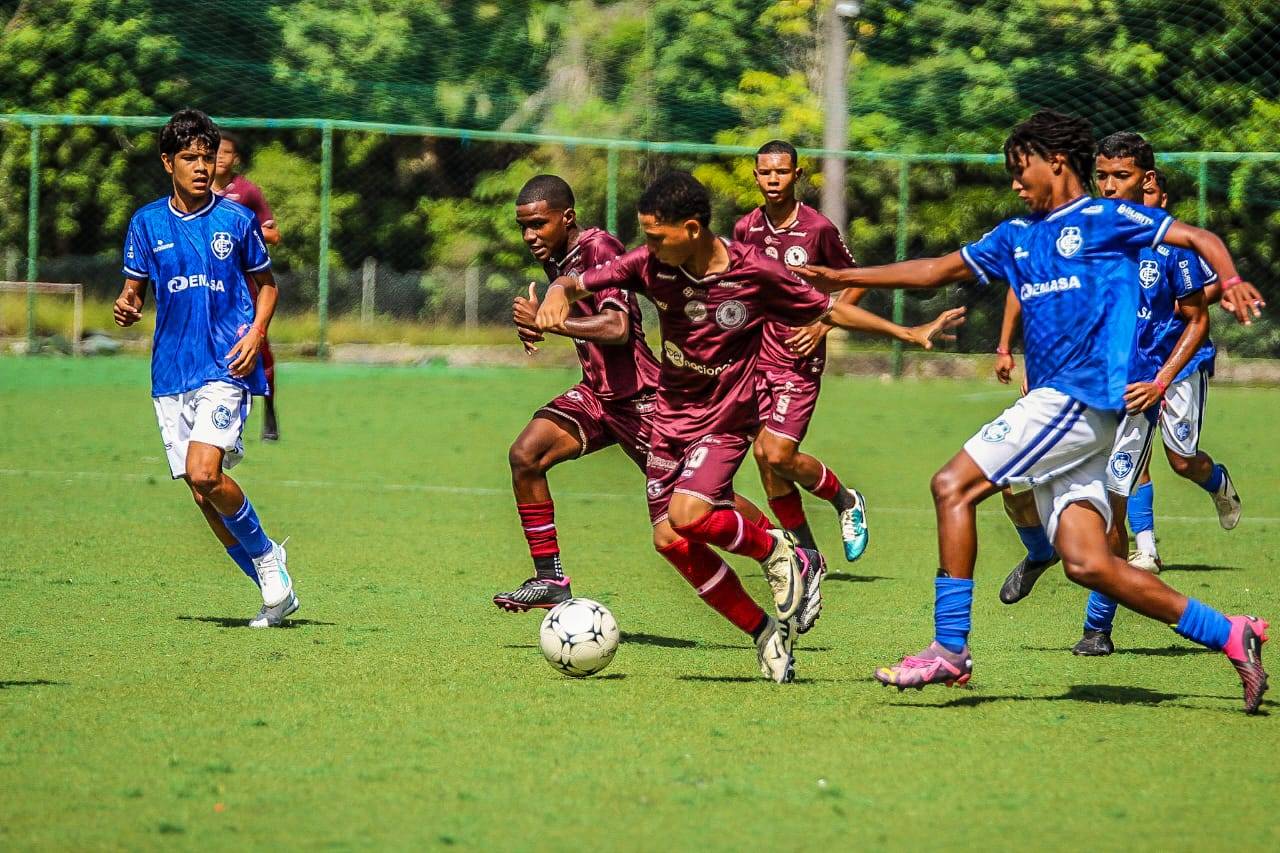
<point>76,291</point>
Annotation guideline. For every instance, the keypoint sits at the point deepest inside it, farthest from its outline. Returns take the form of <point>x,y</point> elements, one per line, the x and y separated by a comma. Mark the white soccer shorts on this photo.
<point>1183,413</point>
<point>1131,452</point>
<point>1054,445</point>
<point>214,413</point>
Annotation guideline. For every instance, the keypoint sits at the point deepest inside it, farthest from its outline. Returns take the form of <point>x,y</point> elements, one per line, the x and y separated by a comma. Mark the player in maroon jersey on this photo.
<point>792,360</point>
<point>229,183</point>
<point>713,297</point>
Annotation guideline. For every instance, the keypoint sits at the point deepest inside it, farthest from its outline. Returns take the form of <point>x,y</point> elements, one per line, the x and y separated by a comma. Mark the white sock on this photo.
<point>1146,542</point>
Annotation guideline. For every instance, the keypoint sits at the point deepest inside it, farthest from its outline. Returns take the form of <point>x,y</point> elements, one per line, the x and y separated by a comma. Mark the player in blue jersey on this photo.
<point>199,250</point>
<point>1069,260</point>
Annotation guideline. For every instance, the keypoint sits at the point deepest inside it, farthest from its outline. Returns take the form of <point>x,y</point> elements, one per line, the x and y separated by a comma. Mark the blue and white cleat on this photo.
<point>273,576</point>
<point>273,617</point>
<point>853,527</point>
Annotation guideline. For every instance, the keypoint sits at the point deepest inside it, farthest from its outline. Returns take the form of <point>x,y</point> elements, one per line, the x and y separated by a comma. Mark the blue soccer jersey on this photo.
<point>1073,272</point>
<point>1165,275</point>
<point>197,263</point>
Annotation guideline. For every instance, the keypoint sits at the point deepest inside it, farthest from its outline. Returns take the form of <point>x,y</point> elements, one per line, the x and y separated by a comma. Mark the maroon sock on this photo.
<point>716,583</point>
<point>828,485</point>
<point>539,523</point>
<point>727,529</point>
<point>789,509</point>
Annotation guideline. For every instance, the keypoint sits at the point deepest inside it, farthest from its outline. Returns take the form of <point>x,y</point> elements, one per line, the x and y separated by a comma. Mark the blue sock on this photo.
<point>1201,624</point>
<point>1099,612</point>
<point>1037,544</point>
<point>244,525</point>
<point>242,559</point>
<point>1214,482</point>
<point>1142,515</point>
<point>952,609</point>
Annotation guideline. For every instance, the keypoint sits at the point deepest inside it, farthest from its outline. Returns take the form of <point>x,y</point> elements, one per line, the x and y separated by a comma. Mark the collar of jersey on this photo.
<point>187,217</point>
<point>789,228</point>
<point>1068,207</point>
<point>715,275</point>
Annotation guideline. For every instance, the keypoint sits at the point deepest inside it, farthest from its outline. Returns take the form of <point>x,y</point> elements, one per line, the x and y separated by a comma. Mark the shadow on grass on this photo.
<point>747,679</point>
<point>1160,652</point>
<point>674,643</point>
<point>37,682</point>
<point>242,622</point>
<point>846,577</point>
<point>1104,694</point>
<point>1199,567</point>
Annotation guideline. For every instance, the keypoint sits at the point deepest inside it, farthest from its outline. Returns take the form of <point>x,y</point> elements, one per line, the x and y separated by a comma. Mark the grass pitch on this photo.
<point>403,710</point>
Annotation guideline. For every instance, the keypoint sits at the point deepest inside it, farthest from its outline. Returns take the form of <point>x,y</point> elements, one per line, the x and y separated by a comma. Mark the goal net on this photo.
<point>45,315</point>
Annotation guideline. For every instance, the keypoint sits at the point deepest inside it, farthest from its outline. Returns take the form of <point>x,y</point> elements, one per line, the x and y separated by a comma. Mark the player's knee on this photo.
<point>1181,465</point>
<point>1086,571</point>
<point>524,458</point>
<point>203,480</point>
<point>780,455</point>
<point>946,486</point>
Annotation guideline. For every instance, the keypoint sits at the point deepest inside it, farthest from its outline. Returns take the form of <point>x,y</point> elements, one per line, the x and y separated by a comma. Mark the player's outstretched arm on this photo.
<point>1008,325</point>
<point>921,273</point>
<point>128,307</point>
<point>1238,296</point>
<point>857,319</point>
<point>806,339</point>
<point>609,327</point>
<point>554,310</point>
<point>244,355</point>
<point>1194,310</point>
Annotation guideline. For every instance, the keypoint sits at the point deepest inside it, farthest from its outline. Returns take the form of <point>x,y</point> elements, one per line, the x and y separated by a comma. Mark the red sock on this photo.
<point>727,529</point>
<point>539,523</point>
<point>828,485</point>
<point>789,509</point>
<point>764,523</point>
<point>716,583</point>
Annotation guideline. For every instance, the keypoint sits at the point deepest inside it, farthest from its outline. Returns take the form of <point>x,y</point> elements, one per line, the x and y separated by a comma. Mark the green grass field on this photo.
<point>402,710</point>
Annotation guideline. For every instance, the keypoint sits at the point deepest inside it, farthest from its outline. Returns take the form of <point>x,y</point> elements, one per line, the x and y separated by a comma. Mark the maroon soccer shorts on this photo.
<point>604,423</point>
<point>787,399</point>
<point>703,468</point>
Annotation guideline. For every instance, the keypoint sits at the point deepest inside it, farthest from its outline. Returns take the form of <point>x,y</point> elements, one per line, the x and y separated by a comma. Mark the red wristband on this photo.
<point>261,331</point>
<point>1231,282</point>
<point>1002,351</point>
<point>1161,384</point>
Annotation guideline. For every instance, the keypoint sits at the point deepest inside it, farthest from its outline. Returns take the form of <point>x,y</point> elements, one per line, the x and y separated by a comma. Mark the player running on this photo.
<point>713,296</point>
<point>200,250</point>
<point>1070,261</point>
<point>229,182</point>
<point>792,360</point>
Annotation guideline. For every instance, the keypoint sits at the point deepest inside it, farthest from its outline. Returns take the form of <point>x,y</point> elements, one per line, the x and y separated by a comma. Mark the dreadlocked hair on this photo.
<point>1049,132</point>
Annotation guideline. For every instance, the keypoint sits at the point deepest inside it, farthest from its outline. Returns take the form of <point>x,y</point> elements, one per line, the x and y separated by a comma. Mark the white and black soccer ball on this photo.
<point>579,637</point>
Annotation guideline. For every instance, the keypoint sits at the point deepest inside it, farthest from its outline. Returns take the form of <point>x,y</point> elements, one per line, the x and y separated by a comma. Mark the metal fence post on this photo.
<point>326,189</point>
<point>33,237</point>
<point>900,254</point>
<point>1202,191</point>
<point>611,182</point>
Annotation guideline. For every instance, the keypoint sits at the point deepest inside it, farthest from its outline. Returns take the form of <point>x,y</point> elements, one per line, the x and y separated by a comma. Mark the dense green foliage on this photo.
<point>403,711</point>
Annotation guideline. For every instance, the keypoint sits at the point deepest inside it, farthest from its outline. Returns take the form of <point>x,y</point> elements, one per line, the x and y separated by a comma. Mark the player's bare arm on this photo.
<point>244,355</point>
<point>808,338</point>
<point>920,273</point>
<point>610,327</point>
<point>554,310</point>
<point>857,319</point>
<point>128,307</point>
<point>1239,297</point>
<point>1194,310</point>
<point>270,232</point>
<point>1005,364</point>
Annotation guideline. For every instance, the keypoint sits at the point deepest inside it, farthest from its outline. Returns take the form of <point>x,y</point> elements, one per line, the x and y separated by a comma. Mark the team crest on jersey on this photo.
<point>1148,273</point>
<point>796,256</point>
<point>221,244</point>
<point>221,417</point>
<point>1122,464</point>
<point>696,311</point>
<point>1182,430</point>
<point>731,314</point>
<point>771,252</point>
<point>1069,241</point>
<point>996,431</point>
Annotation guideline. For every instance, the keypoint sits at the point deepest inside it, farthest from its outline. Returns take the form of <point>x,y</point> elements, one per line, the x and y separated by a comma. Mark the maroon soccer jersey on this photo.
<point>615,372</point>
<point>811,238</point>
<point>244,191</point>
<point>711,332</point>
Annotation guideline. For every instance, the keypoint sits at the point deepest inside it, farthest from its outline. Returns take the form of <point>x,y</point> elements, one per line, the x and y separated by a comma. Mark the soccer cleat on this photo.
<point>1023,577</point>
<point>1244,650</point>
<point>813,569</point>
<point>273,576</point>
<point>1227,502</point>
<point>1147,562</point>
<point>773,650</point>
<point>1094,644</point>
<point>934,665</point>
<point>544,593</point>
<point>853,527</point>
<point>782,571</point>
<point>273,617</point>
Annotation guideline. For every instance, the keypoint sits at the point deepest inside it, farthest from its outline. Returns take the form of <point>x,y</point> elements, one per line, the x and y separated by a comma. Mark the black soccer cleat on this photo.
<point>813,568</point>
<point>1094,644</point>
<point>536,592</point>
<point>1023,577</point>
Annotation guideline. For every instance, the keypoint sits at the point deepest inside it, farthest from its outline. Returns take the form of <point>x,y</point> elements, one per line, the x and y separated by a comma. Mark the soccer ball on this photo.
<point>579,637</point>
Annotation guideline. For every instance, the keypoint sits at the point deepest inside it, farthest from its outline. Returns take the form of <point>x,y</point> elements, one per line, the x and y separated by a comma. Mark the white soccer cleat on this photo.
<point>1227,502</point>
<point>273,577</point>
<point>773,650</point>
<point>273,617</point>
<point>1147,562</point>
<point>782,571</point>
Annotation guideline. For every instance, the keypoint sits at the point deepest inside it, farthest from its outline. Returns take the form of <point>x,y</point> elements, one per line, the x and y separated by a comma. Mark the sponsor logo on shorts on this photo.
<point>1122,464</point>
<point>182,282</point>
<point>796,256</point>
<point>576,396</point>
<point>996,431</point>
<point>653,488</point>
<point>661,463</point>
<point>221,244</point>
<point>731,314</point>
<point>1069,241</point>
<point>1148,273</point>
<point>686,473</point>
<point>780,408</point>
<point>1182,429</point>
<point>696,311</point>
<point>221,417</point>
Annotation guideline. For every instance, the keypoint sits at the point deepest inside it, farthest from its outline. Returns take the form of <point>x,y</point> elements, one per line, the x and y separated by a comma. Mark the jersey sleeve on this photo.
<point>137,253</point>
<point>1207,273</point>
<point>987,257</point>
<point>625,272</point>
<point>835,254</point>
<point>789,299</point>
<point>253,249</point>
<point>1136,226</point>
<point>740,229</point>
<point>1185,271</point>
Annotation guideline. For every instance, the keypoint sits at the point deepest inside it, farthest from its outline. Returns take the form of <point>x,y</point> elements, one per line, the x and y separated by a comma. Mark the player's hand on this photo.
<point>1026,386</point>
<point>807,338</point>
<point>524,313</point>
<point>553,311</point>
<point>1005,365</point>
<point>938,330</point>
<point>127,309</point>
<point>1245,301</point>
<point>244,355</point>
<point>1140,396</point>
<point>819,276</point>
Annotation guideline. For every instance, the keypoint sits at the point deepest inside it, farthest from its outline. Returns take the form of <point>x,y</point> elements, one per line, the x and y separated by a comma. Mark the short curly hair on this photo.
<point>1049,132</point>
<point>187,127</point>
<point>675,197</point>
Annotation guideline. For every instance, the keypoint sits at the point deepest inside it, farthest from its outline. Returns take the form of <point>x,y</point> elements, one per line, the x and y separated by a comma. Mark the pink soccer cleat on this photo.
<point>1244,650</point>
<point>934,665</point>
